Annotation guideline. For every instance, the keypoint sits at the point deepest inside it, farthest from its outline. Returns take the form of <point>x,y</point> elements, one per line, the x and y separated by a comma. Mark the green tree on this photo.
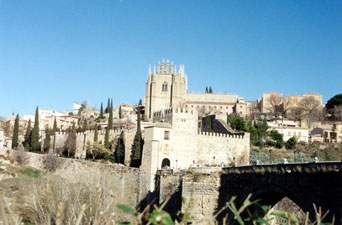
<point>96,135</point>
<point>47,140</point>
<point>101,111</point>
<point>137,144</point>
<point>236,122</point>
<point>120,112</point>
<point>15,137</point>
<point>71,141</point>
<point>334,101</point>
<point>210,90</point>
<point>109,127</point>
<point>253,133</point>
<point>55,127</point>
<point>206,89</point>
<point>27,137</point>
<point>120,150</point>
<point>35,133</point>
<point>108,106</point>
<point>85,125</point>
<point>277,138</point>
<point>291,143</point>
<point>96,150</point>
<point>262,128</point>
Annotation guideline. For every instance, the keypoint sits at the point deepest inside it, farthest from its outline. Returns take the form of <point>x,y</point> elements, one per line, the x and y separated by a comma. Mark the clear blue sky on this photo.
<point>54,53</point>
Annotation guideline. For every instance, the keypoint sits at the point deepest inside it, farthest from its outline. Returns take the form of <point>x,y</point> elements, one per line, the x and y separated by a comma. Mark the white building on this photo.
<point>289,129</point>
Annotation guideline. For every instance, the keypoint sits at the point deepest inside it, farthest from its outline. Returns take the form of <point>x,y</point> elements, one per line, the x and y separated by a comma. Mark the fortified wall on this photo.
<point>175,141</point>
<point>60,140</point>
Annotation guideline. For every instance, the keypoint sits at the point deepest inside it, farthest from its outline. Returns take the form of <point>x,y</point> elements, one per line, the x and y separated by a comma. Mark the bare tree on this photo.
<point>285,107</point>
<point>274,104</point>
<point>337,111</point>
<point>310,109</point>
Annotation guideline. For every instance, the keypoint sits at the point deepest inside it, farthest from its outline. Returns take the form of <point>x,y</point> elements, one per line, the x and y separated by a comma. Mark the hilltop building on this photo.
<point>179,137</point>
<point>167,87</point>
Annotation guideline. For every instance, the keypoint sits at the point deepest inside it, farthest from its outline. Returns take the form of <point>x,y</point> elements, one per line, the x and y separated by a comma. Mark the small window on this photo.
<point>164,86</point>
<point>166,135</point>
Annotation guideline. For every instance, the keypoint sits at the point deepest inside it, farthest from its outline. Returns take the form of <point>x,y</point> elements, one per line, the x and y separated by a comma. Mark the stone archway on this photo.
<point>165,163</point>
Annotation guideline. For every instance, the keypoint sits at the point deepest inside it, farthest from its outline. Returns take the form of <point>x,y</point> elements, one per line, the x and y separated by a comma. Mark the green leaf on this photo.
<point>262,221</point>
<point>294,219</point>
<point>281,214</point>
<point>264,208</point>
<point>125,208</point>
<point>160,217</point>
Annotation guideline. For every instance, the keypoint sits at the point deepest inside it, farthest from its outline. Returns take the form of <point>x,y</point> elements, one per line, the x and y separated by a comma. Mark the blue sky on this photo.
<point>54,53</point>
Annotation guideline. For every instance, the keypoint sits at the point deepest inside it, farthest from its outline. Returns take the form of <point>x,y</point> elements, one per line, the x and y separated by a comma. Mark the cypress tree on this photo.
<point>55,128</point>
<point>71,141</point>
<point>210,90</point>
<point>96,135</point>
<point>85,125</point>
<point>120,150</point>
<point>27,137</point>
<point>108,106</point>
<point>110,118</point>
<point>109,127</point>
<point>47,140</point>
<point>111,104</point>
<point>106,139</point>
<point>137,144</point>
<point>15,137</point>
<point>101,111</point>
<point>120,112</point>
<point>35,133</point>
<point>206,89</point>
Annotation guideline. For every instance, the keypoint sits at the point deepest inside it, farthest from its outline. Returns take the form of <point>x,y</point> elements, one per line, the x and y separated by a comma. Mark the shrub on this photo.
<point>277,138</point>
<point>20,156</point>
<point>291,143</point>
<point>51,163</point>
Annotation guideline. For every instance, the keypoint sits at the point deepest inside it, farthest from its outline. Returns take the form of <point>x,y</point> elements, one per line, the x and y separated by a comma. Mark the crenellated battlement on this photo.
<point>100,132</point>
<point>167,114</point>
<point>221,135</point>
<point>165,67</point>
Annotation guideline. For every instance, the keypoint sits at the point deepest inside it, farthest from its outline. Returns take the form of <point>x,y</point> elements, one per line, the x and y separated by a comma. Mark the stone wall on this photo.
<point>83,139</point>
<point>222,149</point>
<point>127,183</point>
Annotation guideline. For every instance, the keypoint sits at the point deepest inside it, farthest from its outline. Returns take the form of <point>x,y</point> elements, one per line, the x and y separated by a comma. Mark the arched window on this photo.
<point>165,163</point>
<point>164,86</point>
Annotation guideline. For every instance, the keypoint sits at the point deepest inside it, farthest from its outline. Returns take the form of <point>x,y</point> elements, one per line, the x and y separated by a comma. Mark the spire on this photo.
<point>149,69</point>
<point>154,69</point>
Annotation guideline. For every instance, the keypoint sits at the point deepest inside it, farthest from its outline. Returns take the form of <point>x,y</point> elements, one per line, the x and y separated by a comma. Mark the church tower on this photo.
<point>165,88</point>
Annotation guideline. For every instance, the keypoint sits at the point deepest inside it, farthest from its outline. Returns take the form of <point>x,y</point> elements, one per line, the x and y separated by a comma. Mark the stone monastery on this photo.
<point>178,134</point>
<point>167,88</point>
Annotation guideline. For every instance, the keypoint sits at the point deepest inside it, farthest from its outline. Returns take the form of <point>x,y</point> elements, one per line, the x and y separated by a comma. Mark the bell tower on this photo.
<point>165,88</point>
